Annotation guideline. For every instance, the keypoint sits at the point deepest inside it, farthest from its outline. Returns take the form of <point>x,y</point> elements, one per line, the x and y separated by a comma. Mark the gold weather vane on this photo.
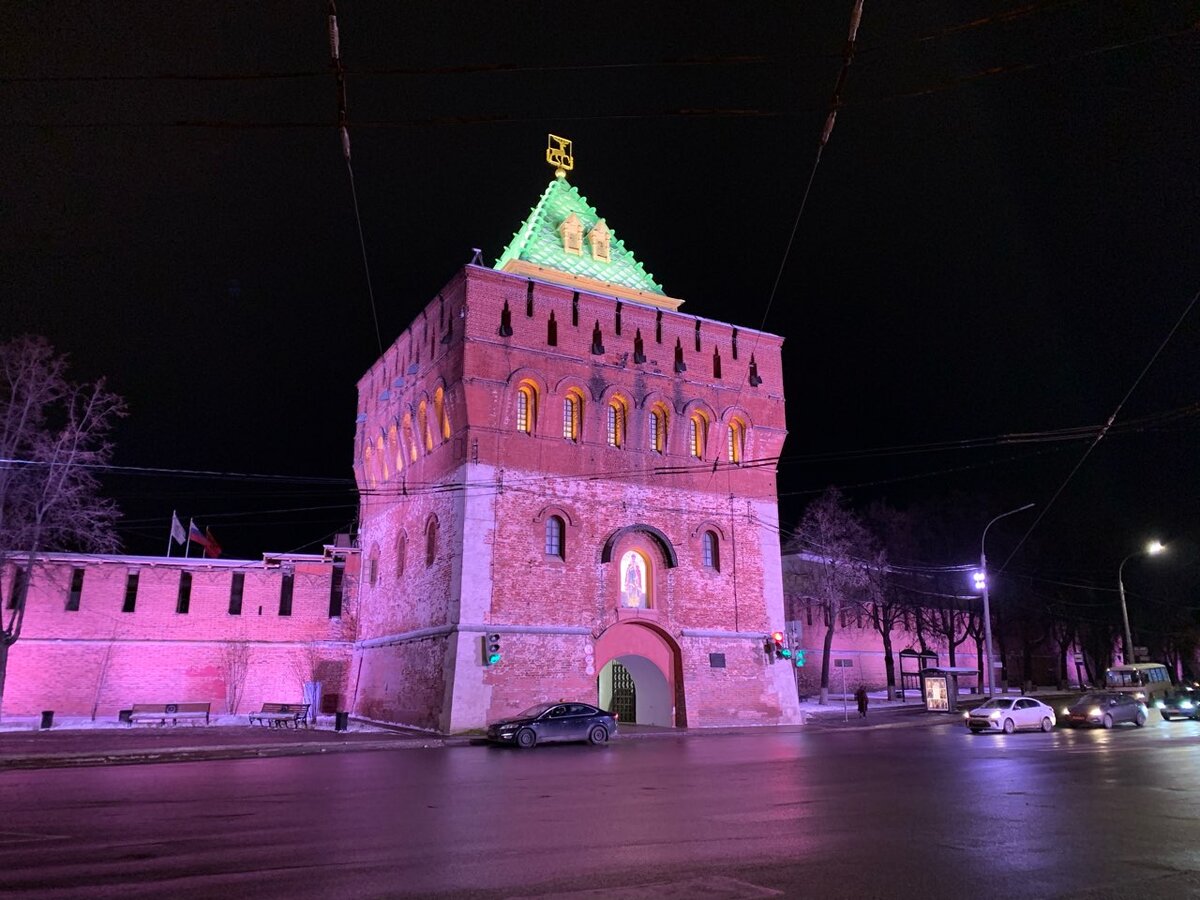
<point>558,154</point>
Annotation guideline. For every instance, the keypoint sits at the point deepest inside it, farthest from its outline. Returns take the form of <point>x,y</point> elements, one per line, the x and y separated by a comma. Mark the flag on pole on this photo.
<point>177,533</point>
<point>203,538</point>
<point>211,549</point>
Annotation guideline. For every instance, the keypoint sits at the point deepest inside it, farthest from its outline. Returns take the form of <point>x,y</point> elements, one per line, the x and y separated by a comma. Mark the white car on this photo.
<point>1009,714</point>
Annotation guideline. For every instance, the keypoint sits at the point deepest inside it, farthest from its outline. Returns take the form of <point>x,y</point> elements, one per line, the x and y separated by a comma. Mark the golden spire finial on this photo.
<point>558,154</point>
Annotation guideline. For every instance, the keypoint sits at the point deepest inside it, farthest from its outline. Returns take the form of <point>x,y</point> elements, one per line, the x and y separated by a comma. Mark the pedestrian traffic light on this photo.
<point>491,649</point>
<point>799,659</point>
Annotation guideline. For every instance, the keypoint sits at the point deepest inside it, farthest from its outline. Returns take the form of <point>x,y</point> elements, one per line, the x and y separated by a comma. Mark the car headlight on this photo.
<point>1158,704</point>
<point>508,728</point>
<point>966,715</point>
<point>995,715</point>
<point>1066,710</point>
<point>1094,711</point>
<point>1184,704</point>
<point>1139,696</point>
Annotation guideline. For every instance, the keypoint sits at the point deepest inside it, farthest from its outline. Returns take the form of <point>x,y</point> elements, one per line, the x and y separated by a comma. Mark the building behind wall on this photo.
<point>552,454</point>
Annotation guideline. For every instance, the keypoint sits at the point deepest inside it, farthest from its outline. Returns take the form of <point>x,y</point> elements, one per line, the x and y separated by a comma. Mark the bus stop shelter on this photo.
<point>939,686</point>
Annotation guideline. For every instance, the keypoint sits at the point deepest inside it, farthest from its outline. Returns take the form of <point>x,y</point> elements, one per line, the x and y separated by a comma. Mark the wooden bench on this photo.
<point>281,715</point>
<point>161,713</point>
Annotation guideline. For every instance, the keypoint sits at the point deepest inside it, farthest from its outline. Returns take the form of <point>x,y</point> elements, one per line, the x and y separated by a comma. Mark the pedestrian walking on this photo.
<point>861,696</point>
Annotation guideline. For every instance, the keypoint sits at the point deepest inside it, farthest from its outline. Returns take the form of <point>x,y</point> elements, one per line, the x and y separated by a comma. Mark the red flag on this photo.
<point>211,548</point>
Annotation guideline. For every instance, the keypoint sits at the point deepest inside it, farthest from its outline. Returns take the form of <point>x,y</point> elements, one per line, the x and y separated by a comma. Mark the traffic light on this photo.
<point>800,659</point>
<point>491,649</point>
<point>781,652</point>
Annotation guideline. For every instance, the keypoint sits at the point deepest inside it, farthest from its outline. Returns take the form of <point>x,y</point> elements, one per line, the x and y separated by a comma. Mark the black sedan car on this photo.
<point>1182,704</point>
<point>1104,708</point>
<point>548,722</point>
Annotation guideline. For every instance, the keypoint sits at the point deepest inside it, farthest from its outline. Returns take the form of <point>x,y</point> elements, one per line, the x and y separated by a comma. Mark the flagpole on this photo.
<point>187,549</point>
<point>171,533</point>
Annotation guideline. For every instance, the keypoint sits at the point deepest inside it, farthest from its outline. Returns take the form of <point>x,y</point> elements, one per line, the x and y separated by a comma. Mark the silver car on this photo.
<point>1105,709</point>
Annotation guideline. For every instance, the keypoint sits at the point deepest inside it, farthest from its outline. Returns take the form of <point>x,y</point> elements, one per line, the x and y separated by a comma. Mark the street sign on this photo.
<point>1078,658</point>
<point>843,664</point>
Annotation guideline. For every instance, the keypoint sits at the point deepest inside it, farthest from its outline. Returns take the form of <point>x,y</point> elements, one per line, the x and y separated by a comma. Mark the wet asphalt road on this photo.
<point>923,812</point>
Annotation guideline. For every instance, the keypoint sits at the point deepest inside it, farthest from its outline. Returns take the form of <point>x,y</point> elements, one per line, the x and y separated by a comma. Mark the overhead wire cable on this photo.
<point>335,54</point>
<point>1103,431</point>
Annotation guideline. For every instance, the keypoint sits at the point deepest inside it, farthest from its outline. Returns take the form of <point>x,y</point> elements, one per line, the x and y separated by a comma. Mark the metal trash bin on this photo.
<point>126,716</point>
<point>341,721</point>
<point>47,718</point>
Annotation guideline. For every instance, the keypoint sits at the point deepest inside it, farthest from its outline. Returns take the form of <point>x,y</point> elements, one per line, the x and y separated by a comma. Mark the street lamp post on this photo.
<point>1149,550</point>
<point>987,610</point>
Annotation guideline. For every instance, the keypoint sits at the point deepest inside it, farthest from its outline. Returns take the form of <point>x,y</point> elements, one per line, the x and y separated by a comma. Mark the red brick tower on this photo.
<point>553,455</point>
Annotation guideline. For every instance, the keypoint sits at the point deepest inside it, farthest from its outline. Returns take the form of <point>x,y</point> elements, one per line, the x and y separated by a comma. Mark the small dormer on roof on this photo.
<point>549,244</point>
<point>598,239</point>
<point>571,230</point>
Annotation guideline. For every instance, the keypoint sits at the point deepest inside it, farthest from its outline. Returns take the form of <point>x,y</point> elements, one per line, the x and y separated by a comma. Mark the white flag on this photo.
<point>177,532</point>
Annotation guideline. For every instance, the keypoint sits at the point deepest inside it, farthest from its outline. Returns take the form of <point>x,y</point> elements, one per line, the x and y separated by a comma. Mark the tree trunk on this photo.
<point>951,649</point>
<point>825,660</point>
<point>4,645</point>
<point>889,664</point>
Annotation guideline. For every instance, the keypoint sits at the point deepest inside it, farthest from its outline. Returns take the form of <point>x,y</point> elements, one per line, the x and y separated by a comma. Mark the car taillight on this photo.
<point>616,716</point>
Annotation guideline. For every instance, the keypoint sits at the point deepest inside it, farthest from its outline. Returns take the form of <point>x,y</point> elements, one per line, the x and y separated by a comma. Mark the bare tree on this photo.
<point>306,666</point>
<point>235,664</point>
<point>840,548</point>
<point>54,436</point>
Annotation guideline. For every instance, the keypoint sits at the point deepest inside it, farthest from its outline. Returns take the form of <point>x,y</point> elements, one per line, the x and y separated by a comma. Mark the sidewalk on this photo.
<point>81,742</point>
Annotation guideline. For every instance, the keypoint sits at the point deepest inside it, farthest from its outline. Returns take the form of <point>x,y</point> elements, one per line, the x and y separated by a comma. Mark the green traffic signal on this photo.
<point>799,659</point>
<point>785,653</point>
<point>493,659</point>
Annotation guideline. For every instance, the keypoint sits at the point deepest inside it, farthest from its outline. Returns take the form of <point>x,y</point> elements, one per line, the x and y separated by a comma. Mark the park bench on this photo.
<point>161,713</point>
<point>281,715</point>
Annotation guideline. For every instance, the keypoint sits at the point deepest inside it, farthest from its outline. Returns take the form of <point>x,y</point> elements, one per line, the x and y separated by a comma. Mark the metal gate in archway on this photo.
<point>624,694</point>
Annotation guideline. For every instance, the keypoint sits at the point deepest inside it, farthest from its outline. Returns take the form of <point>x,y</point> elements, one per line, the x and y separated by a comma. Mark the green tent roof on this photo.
<point>538,242</point>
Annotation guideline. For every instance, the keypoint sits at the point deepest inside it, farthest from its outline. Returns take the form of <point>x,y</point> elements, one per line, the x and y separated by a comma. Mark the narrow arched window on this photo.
<point>406,435</point>
<point>401,553</point>
<point>697,435</point>
<point>736,442</point>
<point>369,466</point>
<point>551,331</point>
<point>423,426</point>
<point>711,551</point>
<point>431,536</point>
<point>572,416</point>
<point>616,422</point>
<point>373,566</point>
<point>439,413</point>
<point>381,460</point>
<point>526,408</point>
<point>394,452</point>
<point>554,537</point>
<point>658,429</point>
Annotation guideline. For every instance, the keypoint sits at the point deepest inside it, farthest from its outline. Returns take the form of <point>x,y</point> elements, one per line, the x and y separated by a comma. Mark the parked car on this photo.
<point>1183,704</point>
<point>550,722</point>
<point>1106,709</point>
<point>1009,714</point>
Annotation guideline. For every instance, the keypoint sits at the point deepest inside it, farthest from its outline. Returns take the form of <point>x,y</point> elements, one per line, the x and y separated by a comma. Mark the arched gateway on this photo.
<point>640,675</point>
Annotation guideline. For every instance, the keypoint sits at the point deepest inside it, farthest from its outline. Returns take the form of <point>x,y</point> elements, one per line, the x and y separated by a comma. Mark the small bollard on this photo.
<point>341,721</point>
<point>47,718</point>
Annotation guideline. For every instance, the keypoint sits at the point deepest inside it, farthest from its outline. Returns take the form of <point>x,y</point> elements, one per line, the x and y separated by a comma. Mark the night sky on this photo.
<point>1000,234</point>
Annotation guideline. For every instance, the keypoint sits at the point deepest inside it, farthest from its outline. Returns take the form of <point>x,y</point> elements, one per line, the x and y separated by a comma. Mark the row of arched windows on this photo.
<point>556,543</point>
<point>617,413</point>
<point>406,439</point>
<point>431,545</point>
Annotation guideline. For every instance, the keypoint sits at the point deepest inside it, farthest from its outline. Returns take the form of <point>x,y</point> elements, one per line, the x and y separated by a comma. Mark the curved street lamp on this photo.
<point>1150,549</point>
<point>987,610</point>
